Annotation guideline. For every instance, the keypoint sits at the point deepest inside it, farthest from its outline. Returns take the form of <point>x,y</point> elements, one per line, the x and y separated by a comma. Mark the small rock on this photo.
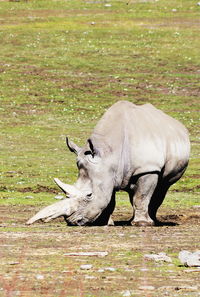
<point>39,277</point>
<point>86,266</point>
<point>190,259</point>
<point>193,270</point>
<point>109,268</point>
<point>100,270</point>
<point>183,256</point>
<point>194,259</point>
<point>29,197</point>
<point>90,277</point>
<point>158,257</point>
<point>126,293</point>
<point>149,288</point>
<point>98,254</point>
<point>196,206</point>
<point>198,3</point>
<point>130,270</point>
<point>108,5</point>
<point>121,234</point>
<point>13,263</point>
<point>59,197</point>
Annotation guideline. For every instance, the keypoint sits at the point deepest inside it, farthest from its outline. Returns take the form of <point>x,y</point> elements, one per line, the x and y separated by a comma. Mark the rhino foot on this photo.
<point>142,223</point>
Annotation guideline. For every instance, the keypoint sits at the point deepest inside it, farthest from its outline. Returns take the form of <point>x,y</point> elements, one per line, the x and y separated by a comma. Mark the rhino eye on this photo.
<point>89,196</point>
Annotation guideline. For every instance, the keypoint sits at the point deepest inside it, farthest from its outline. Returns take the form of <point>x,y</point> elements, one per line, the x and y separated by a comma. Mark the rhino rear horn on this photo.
<point>61,208</point>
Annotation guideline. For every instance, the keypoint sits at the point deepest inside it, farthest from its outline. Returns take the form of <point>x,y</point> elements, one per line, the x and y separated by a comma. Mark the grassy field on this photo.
<point>62,64</point>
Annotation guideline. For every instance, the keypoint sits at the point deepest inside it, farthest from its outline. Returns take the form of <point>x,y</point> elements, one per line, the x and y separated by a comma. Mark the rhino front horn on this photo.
<point>62,208</point>
<point>68,189</point>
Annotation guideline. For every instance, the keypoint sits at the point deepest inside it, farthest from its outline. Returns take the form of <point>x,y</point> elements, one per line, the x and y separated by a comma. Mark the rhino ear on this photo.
<point>72,146</point>
<point>92,150</point>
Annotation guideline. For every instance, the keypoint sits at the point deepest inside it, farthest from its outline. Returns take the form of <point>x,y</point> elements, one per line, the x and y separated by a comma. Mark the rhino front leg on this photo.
<point>106,217</point>
<point>144,189</point>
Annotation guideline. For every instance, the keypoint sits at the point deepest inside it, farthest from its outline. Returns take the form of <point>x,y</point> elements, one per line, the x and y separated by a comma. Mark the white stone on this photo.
<point>190,259</point>
<point>158,257</point>
<point>86,266</point>
<point>196,206</point>
<point>183,257</point>
<point>97,254</point>
<point>29,197</point>
<point>149,288</point>
<point>110,268</point>
<point>59,197</point>
<point>126,293</point>
<point>39,277</point>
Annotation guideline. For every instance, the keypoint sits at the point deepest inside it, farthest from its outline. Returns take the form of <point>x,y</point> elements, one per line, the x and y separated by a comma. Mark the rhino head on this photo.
<point>89,199</point>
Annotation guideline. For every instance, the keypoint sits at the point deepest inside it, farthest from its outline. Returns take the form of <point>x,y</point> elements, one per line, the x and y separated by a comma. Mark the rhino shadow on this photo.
<point>157,224</point>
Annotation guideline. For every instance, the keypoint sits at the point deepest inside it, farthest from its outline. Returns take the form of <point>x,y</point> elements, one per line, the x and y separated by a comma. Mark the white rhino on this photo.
<point>137,149</point>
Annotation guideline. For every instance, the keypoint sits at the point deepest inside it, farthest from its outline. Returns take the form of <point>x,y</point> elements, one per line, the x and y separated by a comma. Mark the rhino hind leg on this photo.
<point>143,192</point>
<point>157,200</point>
<point>160,192</point>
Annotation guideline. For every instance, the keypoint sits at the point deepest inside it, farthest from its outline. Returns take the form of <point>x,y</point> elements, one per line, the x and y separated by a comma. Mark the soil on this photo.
<point>36,260</point>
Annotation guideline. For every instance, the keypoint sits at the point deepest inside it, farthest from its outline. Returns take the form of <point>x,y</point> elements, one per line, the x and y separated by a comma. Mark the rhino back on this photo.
<point>142,138</point>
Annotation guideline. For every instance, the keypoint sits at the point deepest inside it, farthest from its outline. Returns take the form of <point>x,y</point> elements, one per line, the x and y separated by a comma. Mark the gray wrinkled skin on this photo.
<point>138,149</point>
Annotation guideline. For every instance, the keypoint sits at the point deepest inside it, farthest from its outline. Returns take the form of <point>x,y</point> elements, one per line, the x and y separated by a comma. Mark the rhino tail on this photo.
<point>61,208</point>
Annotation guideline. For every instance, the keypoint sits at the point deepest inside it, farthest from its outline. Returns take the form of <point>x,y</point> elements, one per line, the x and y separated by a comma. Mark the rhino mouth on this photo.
<point>73,220</point>
<point>76,219</point>
<point>77,222</point>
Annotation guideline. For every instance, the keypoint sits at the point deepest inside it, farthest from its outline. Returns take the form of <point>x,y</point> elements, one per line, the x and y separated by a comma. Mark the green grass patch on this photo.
<point>17,198</point>
<point>64,62</point>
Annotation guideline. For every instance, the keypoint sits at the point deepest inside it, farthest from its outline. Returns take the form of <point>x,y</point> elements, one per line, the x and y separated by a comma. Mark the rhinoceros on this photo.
<point>135,148</point>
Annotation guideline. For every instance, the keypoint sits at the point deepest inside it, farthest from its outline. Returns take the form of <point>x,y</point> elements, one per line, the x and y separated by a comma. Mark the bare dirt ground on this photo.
<point>39,261</point>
